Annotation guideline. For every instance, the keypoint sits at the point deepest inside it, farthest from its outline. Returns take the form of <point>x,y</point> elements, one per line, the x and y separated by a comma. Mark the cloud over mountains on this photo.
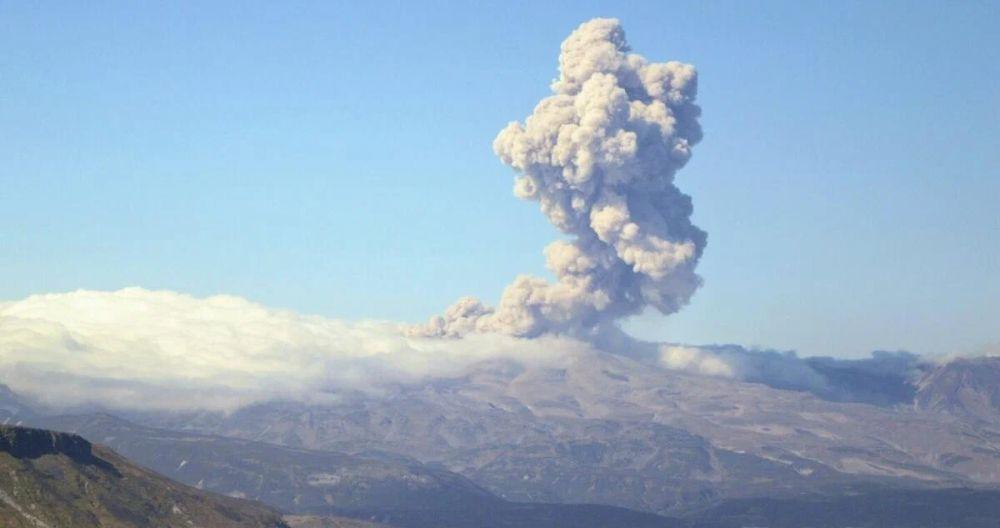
<point>161,350</point>
<point>136,348</point>
<point>884,378</point>
<point>599,156</point>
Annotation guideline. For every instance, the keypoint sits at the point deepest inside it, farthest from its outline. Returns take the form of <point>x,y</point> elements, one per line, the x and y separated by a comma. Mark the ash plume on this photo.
<point>599,155</point>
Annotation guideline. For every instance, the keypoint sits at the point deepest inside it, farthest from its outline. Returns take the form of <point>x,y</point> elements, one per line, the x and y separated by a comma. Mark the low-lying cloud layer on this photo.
<point>883,379</point>
<point>160,350</point>
<point>600,156</point>
<point>143,349</point>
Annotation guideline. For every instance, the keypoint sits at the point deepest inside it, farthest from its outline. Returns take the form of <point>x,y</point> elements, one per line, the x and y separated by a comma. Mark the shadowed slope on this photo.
<point>54,480</point>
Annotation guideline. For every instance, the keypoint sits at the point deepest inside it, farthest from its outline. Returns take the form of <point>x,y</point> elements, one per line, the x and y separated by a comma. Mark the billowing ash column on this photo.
<point>599,155</point>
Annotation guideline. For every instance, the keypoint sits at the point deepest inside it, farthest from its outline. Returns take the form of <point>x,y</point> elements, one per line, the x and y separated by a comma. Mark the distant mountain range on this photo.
<point>610,430</point>
<point>375,486</point>
<point>601,441</point>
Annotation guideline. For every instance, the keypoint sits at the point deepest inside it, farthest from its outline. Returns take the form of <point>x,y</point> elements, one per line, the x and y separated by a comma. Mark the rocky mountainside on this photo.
<point>606,429</point>
<point>26,502</point>
<point>390,489</point>
<point>290,479</point>
<point>967,387</point>
<point>864,508</point>
<point>55,480</point>
<point>507,445</point>
<point>313,521</point>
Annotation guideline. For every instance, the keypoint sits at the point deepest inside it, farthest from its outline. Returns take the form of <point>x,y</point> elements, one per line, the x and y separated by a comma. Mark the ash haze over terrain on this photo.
<point>599,156</point>
<point>536,411</point>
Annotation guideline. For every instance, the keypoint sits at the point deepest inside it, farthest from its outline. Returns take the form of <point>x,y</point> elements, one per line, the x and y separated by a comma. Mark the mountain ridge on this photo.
<point>56,479</point>
<point>611,430</point>
<point>526,443</point>
<point>964,386</point>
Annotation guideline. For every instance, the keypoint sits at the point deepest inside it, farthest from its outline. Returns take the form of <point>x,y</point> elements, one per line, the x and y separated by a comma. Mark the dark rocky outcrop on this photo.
<point>24,442</point>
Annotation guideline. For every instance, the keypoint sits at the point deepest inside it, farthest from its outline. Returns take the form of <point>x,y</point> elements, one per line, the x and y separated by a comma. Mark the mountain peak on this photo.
<point>969,386</point>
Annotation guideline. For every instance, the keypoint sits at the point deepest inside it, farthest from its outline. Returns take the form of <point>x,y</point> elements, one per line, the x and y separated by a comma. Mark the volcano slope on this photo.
<point>603,428</point>
<point>52,480</point>
<point>595,428</point>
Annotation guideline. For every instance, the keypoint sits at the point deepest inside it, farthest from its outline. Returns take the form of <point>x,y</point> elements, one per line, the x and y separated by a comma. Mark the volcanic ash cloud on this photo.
<point>599,155</point>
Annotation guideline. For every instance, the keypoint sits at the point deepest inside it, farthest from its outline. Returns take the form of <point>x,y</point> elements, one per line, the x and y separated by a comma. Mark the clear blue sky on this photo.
<point>336,158</point>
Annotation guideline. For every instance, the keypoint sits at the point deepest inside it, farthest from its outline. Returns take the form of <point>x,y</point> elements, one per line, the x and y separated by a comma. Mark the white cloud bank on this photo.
<point>160,350</point>
<point>697,361</point>
<point>884,378</point>
<point>142,349</point>
<point>774,368</point>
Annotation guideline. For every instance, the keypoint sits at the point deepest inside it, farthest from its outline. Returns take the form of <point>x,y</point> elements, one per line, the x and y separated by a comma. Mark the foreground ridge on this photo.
<point>55,480</point>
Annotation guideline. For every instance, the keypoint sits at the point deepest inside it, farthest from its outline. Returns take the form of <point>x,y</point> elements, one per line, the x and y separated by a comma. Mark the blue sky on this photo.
<point>336,158</point>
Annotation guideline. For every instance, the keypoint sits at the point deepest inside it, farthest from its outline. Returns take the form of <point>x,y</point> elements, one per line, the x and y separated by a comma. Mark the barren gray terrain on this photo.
<point>512,441</point>
<point>606,429</point>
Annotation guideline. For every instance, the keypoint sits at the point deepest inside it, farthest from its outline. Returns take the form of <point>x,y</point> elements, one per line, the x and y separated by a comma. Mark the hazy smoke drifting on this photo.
<point>600,156</point>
